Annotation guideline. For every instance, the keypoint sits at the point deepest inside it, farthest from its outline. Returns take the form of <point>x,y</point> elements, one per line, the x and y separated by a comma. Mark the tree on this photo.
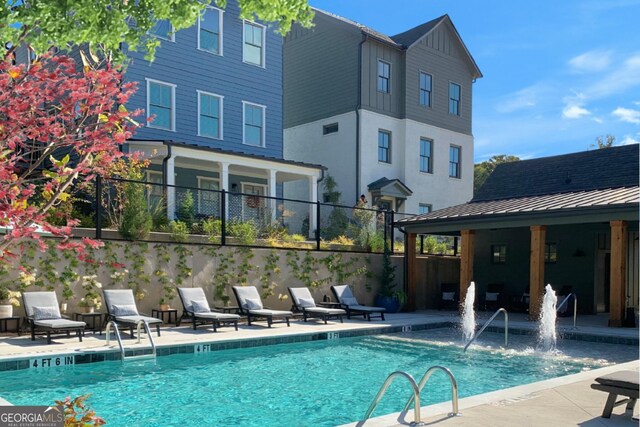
<point>59,128</point>
<point>602,143</point>
<point>481,171</point>
<point>107,23</point>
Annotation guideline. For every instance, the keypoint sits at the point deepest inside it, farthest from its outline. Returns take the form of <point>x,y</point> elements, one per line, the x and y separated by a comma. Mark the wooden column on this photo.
<point>467,246</point>
<point>618,272</point>
<point>411,272</point>
<point>536,270</point>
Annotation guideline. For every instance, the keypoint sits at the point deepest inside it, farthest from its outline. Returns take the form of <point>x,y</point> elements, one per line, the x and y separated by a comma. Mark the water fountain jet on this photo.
<point>547,328</point>
<point>468,314</point>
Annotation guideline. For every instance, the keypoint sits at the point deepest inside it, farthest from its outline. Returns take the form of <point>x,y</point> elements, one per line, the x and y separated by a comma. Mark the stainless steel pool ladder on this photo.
<point>141,323</point>
<point>506,327</point>
<point>417,389</point>
<point>575,307</point>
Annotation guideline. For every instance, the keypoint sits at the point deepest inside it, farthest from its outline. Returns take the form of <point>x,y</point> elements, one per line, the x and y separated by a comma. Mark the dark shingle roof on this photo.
<point>411,36</point>
<point>368,30</point>
<point>613,167</point>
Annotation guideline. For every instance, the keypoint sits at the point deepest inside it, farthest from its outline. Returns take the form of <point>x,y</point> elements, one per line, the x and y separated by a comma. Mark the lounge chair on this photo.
<point>43,314</point>
<point>304,303</point>
<point>493,296</point>
<point>250,305</point>
<point>121,308</point>
<point>196,308</point>
<point>623,383</point>
<point>448,296</point>
<point>349,302</point>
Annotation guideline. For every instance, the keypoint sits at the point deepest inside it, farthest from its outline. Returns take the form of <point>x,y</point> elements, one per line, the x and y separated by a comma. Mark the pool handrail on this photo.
<point>385,386</point>
<point>140,324</point>
<point>506,328</point>
<point>454,388</point>
<point>575,307</point>
<point>108,333</point>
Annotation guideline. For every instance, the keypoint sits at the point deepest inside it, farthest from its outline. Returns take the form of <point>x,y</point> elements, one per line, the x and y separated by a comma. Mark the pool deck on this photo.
<point>558,402</point>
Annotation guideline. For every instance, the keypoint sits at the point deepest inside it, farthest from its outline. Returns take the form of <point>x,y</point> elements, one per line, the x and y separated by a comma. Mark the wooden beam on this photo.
<point>467,247</point>
<point>411,272</point>
<point>536,270</point>
<point>619,246</point>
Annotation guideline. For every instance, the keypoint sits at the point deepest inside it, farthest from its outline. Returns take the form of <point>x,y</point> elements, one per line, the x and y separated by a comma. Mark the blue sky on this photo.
<point>557,74</point>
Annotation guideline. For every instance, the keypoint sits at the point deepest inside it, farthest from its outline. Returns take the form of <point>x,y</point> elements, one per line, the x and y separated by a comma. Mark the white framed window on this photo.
<point>210,112</point>
<point>253,129</point>
<point>254,43</point>
<point>426,155</point>
<point>384,76</point>
<point>454,161</point>
<point>254,203</point>
<point>163,30</point>
<point>424,208</point>
<point>210,32</point>
<point>155,191</point>
<point>426,81</point>
<point>161,103</point>
<point>384,146</point>
<point>454,98</point>
<point>209,198</point>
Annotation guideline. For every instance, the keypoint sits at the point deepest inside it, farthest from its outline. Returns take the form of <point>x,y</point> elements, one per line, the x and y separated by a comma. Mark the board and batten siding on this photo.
<point>391,103</point>
<point>440,55</point>
<point>190,69</point>
<point>320,71</point>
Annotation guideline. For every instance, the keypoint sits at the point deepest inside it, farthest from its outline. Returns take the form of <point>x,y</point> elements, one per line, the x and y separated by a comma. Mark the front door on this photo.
<point>253,203</point>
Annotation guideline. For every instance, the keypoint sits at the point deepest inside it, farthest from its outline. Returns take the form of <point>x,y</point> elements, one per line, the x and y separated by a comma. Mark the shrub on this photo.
<point>179,231</point>
<point>244,232</point>
<point>136,218</point>
<point>186,210</point>
<point>213,229</point>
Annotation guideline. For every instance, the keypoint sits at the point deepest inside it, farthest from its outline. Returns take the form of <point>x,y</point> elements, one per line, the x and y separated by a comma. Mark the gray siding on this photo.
<point>320,71</point>
<point>392,103</point>
<point>441,55</point>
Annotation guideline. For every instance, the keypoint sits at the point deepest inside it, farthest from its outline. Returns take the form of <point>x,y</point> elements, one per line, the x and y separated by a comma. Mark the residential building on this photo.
<point>390,117</point>
<point>570,221</point>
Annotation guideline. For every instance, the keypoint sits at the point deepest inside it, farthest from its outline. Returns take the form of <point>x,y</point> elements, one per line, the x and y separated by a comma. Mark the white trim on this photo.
<point>264,123</point>
<point>220,35</point>
<point>264,43</point>
<point>220,111</point>
<point>173,103</point>
<point>201,178</point>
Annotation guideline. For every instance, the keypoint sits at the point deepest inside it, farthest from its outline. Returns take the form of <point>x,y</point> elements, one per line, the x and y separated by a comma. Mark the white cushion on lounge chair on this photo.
<point>324,310</point>
<point>349,301</point>
<point>135,319</point>
<point>46,313</point>
<point>448,296</point>
<point>124,310</point>
<point>492,296</point>
<point>253,304</point>
<point>306,302</point>
<point>200,306</point>
<point>215,315</point>
<point>367,308</point>
<point>59,324</point>
<point>267,312</point>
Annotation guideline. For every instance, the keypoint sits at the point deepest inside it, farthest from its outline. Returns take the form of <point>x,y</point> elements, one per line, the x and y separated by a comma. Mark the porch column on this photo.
<point>619,237</point>
<point>224,185</point>
<point>536,269</point>
<point>170,180</point>
<point>272,193</point>
<point>467,248</point>
<point>411,271</point>
<point>313,197</point>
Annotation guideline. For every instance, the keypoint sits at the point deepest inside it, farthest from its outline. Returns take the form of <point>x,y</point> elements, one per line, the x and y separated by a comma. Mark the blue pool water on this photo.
<point>321,383</point>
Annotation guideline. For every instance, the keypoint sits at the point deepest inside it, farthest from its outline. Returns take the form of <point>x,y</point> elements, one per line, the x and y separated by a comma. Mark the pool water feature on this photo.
<point>468,314</point>
<point>319,383</point>
<point>547,327</point>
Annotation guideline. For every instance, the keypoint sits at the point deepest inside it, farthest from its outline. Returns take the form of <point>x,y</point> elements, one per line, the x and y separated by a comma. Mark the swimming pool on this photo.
<point>320,383</point>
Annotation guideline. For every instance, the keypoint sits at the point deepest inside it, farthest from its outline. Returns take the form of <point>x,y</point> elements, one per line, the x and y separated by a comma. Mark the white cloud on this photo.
<point>574,111</point>
<point>594,60</point>
<point>597,120</point>
<point>522,99</point>
<point>623,77</point>
<point>629,139</point>
<point>627,115</point>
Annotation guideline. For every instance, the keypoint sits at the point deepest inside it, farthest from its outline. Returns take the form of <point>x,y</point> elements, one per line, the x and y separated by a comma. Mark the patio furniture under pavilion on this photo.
<point>565,220</point>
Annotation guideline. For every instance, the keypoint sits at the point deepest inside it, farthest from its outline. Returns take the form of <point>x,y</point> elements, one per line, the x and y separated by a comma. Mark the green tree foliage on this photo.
<point>136,218</point>
<point>481,171</point>
<point>338,220</point>
<point>107,23</point>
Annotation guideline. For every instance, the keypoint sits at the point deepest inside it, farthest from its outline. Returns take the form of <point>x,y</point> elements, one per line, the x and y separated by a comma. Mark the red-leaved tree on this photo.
<point>60,126</point>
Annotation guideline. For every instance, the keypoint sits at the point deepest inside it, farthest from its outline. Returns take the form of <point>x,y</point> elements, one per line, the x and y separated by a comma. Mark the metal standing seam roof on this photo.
<point>611,197</point>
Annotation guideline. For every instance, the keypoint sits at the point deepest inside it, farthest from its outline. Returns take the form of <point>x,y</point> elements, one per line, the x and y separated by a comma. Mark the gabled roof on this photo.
<point>363,28</point>
<point>393,187</point>
<point>613,167</point>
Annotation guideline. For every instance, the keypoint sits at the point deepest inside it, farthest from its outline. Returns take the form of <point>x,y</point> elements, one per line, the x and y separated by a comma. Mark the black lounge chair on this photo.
<point>349,302</point>
<point>43,314</point>
<point>121,308</point>
<point>304,303</point>
<point>250,305</point>
<point>196,308</point>
<point>493,296</point>
<point>624,383</point>
<point>448,296</point>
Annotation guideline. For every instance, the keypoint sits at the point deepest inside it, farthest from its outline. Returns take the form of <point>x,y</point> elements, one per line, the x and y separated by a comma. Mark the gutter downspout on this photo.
<point>405,262</point>
<point>358,106</point>
<point>165,173</point>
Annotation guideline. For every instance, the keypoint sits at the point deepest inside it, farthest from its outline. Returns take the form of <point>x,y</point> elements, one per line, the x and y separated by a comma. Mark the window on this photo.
<point>253,52</point>
<point>384,74</point>
<point>332,128</point>
<point>161,104</point>
<point>208,199</point>
<point>253,124</point>
<point>498,254</point>
<point>209,115</point>
<point>550,253</point>
<point>155,189</point>
<point>426,154</point>
<point>454,161</point>
<point>454,99</point>
<point>210,31</point>
<point>163,30</point>
<point>423,208</point>
<point>425,89</point>
<point>384,146</point>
